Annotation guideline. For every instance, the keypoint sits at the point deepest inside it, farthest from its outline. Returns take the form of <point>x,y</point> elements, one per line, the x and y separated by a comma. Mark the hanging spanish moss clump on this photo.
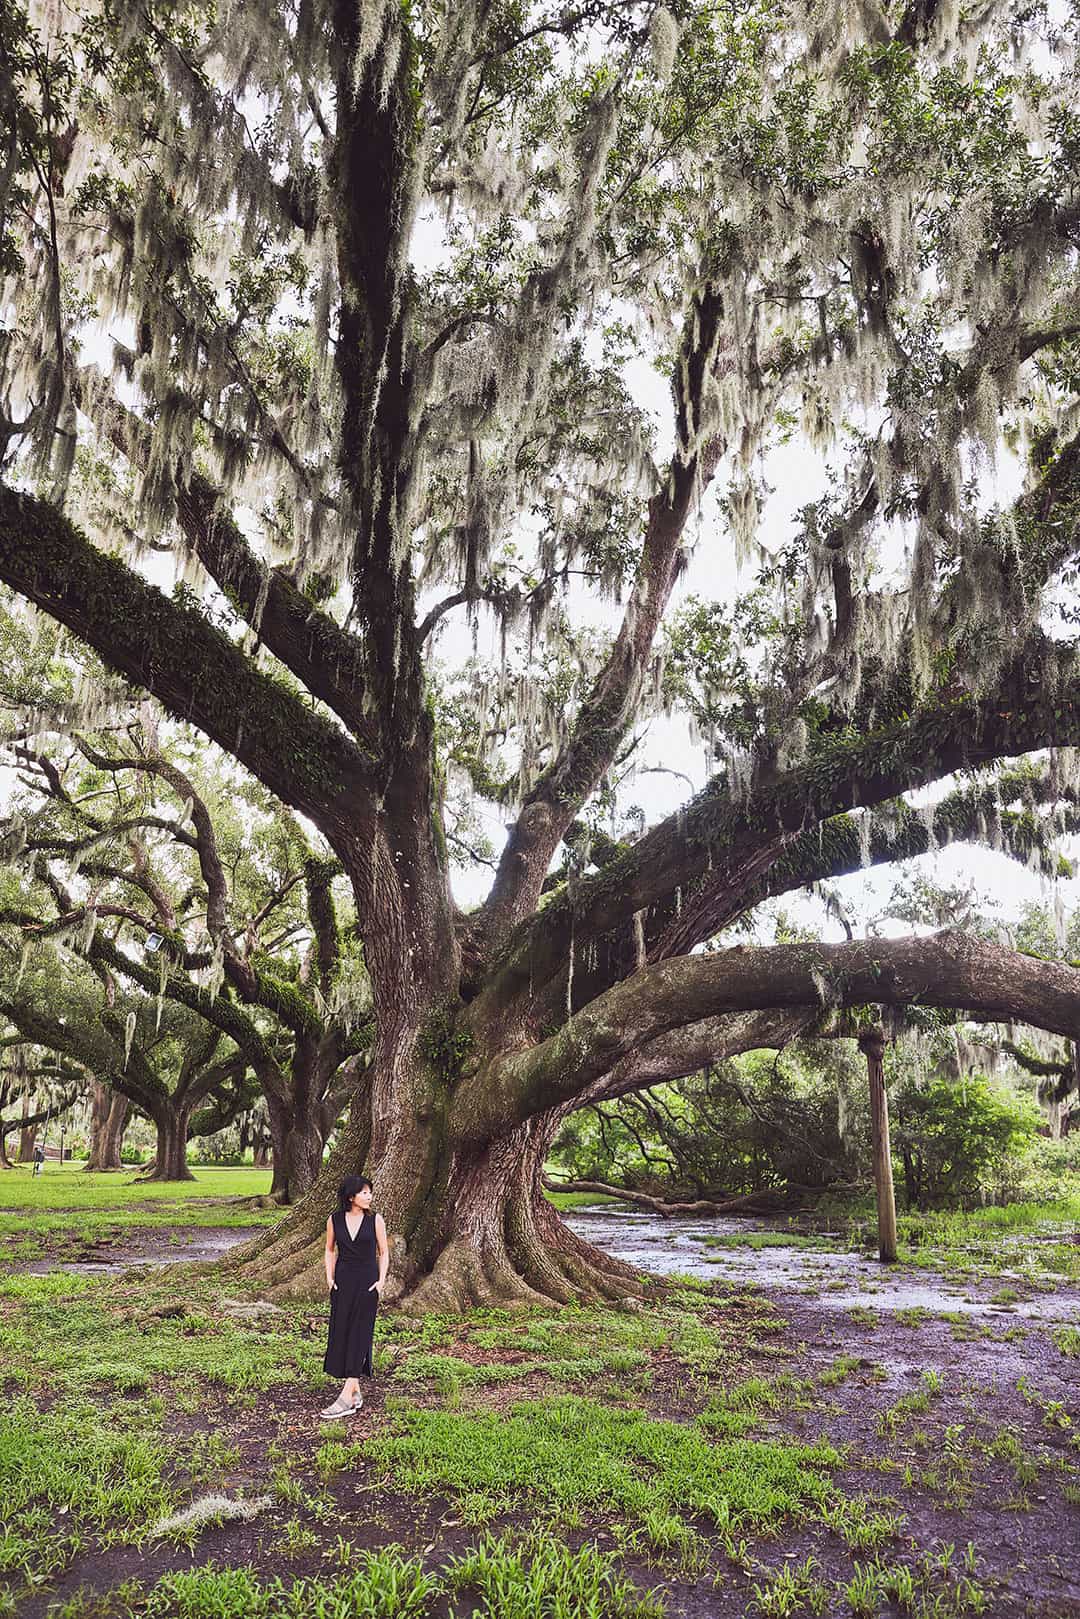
<point>129,1036</point>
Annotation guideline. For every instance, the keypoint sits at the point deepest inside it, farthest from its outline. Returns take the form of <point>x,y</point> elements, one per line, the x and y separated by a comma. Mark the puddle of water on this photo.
<point>667,1247</point>
<point>207,1245</point>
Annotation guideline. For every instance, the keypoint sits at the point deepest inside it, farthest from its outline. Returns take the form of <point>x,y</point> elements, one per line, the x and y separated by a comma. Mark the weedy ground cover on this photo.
<point>607,1463</point>
<point>1032,1240</point>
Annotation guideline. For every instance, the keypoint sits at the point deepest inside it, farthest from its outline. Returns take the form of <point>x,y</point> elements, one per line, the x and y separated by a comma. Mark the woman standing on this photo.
<point>357,1258</point>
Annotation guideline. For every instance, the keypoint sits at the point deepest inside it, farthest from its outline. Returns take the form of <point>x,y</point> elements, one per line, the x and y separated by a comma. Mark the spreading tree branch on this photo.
<point>328,660</point>
<point>173,652</point>
<point>722,839</point>
<point>948,969</point>
<point>609,709</point>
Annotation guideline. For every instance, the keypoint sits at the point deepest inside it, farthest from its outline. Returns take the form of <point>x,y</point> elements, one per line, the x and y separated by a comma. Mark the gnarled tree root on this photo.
<point>544,1262</point>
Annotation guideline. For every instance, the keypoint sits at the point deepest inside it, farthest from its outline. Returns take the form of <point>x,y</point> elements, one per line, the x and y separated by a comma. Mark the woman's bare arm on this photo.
<point>330,1254</point>
<point>382,1248</point>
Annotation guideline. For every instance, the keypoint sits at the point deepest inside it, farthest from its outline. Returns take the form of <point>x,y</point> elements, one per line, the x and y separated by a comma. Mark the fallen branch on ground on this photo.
<point>748,1203</point>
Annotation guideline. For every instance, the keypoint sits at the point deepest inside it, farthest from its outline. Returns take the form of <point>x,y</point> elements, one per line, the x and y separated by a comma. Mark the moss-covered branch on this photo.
<point>948,969</point>
<point>171,650</point>
<point>723,838</point>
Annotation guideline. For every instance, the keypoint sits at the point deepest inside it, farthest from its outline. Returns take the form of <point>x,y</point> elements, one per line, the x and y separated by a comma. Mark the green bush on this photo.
<point>960,1141</point>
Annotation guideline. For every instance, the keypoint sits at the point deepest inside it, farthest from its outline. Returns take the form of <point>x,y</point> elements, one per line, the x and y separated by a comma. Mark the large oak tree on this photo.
<point>376,282</point>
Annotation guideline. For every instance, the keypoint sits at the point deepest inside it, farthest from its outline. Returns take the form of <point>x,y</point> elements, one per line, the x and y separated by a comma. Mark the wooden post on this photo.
<point>872,1045</point>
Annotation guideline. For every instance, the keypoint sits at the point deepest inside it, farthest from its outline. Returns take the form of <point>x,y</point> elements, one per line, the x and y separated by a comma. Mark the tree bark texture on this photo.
<point>872,1045</point>
<point>108,1120</point>
<point>170,1154</point>
<point>27,1134</point>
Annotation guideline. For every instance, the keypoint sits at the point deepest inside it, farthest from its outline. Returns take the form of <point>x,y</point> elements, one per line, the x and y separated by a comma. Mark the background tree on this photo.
<point>109,1113</point>
<point>165,1067</point>
<point>213,899</point>
<point>27,1070</point>
<point>372,355</point>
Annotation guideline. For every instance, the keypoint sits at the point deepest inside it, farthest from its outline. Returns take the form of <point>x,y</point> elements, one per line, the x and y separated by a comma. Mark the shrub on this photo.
<point>959,1140</point>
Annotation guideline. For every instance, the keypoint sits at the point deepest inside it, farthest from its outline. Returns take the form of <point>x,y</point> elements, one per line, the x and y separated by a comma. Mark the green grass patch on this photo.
<point>66,1474</point>
<point>449,1373</point>
<point>736,1409</point>
<point>71,1333</point>
<point>70,1188</point>
<point>571,1453</point>
<point>55,1285</point>
<point>538,1577</point>
<point>1067,1339</point>
<point>929,1587</point>
<point>771,1239</point>
<point>385,1584</point>
<point>863,1315</point>
<point>1029,1238</point>
<point>65,1206</point>
<point>793,1589</point>
<point>863,1523</point>
<point>841,1368</point>
<point>542,1578</point>
<point>579,1200</point>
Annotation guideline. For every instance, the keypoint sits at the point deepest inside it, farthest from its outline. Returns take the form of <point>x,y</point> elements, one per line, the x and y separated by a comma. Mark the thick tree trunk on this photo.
<point>108,1120</point>
<point>297,1152</point>
<point>469,1226</point>
<point>170,1159</point>
<point>27,1135</point>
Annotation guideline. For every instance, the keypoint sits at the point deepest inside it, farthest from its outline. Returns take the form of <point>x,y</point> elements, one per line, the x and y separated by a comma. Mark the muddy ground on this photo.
<point>990,1460</point>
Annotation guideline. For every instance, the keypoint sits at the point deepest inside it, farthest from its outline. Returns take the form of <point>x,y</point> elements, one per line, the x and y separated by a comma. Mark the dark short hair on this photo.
<point>350,1186</point>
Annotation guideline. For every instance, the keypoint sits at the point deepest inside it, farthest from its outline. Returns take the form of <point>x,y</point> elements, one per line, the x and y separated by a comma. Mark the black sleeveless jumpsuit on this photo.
<point>352,1303</point>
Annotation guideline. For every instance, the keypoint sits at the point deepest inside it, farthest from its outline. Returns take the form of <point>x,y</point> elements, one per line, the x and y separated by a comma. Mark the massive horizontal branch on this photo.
<point>306,640</point>
<point>896,832</point>
<point>172,651</point>
<point>948,969</point>
<point>694,1046</point>
<point>720,837</point>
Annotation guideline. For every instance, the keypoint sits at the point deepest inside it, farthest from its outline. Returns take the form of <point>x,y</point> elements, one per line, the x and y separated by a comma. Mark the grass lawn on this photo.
<point>63,1210</point>
<point>1037,1237</point>
<point>68,1187</point>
